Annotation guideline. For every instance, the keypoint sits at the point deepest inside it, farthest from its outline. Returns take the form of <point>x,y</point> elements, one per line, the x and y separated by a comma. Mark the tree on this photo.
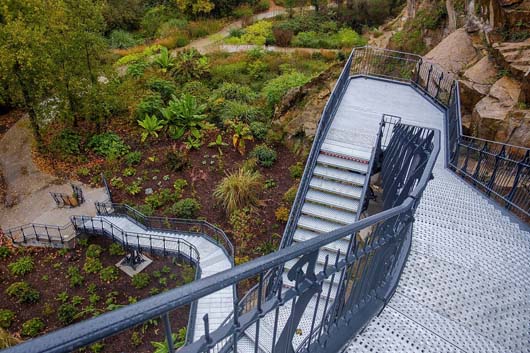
<point>27,67</point>
<point>195,7</point>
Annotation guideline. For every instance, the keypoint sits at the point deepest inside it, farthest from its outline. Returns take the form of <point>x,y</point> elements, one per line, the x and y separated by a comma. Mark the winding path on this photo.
<point>29,188</point>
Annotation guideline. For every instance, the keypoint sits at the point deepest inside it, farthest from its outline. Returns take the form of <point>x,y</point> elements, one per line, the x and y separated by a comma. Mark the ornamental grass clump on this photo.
<point>239,189</point>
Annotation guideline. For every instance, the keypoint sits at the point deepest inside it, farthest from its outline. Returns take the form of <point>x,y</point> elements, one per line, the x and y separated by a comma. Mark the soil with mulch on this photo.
<point>206,167</point>
<point>49,277</point>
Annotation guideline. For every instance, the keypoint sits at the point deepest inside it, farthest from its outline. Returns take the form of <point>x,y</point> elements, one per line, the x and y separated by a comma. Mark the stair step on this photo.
<point>328,213</point>
<point>317,225</point>
<point>337,188</point>
<point>342,163</point>
<point>348,151</point>
<point>339,175</point>
<point>344,203</point>
<point>301,235</point>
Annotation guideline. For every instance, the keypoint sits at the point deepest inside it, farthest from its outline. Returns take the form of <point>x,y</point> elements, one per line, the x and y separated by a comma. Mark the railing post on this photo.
<point>498,157</point>
<point>520,167</point>
<point>35,232</point>
<point>168,333</point>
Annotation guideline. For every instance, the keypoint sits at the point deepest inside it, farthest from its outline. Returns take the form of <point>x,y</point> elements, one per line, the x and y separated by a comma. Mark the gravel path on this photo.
<point>29,189</point>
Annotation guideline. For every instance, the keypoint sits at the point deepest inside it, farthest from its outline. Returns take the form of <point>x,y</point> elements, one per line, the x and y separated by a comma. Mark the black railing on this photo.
<point>42,233</point>
<point>166,224</point>
<point>367,275</point>
<point>499,170</point>
<point>154,244</point>
<point>74,199</point>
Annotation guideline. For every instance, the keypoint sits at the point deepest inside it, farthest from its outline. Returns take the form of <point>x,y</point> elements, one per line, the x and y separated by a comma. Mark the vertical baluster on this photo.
<point>259,309</point>
<point>168,333</point>
<point>277,314</point>
<point>236,325</point>
<point>207,336</point>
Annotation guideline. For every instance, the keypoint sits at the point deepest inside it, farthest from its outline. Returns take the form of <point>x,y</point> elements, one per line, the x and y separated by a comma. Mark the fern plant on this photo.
<point>151,125</point>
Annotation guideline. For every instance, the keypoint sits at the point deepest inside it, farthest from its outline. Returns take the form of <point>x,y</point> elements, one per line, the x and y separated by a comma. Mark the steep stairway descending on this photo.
<point>464,287</point>
<point>213,259</point>
<point>332,201</point>
<point>333,198</point>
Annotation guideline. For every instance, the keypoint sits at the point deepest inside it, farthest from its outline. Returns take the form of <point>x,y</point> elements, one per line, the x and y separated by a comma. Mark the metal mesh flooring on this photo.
<point>466,284</point>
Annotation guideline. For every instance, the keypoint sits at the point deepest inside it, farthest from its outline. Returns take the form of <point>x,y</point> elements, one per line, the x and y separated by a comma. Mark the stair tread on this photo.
<point>335,187</point>
<point>318,225</point>
<point>339,174</point>
<point>338,201</point>
<point>301,235</point>
<point>342,163</point>
<point>345,150</point>
<point>328,213</point>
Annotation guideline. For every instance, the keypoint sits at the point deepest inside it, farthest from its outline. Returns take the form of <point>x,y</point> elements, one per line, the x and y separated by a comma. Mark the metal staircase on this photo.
<point>441,267</point>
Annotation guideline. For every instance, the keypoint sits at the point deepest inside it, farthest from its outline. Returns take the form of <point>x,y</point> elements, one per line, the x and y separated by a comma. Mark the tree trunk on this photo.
<point>451,15</point>
<point>89,65</point>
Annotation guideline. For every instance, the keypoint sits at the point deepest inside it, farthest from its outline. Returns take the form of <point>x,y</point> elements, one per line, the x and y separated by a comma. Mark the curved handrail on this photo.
<point>199,227</point>
<point>153,243</point>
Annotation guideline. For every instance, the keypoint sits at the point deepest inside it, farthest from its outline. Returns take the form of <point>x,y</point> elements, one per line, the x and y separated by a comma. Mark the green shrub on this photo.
<point>74,275</point>
<point>290,194</point>
<point>265,155</point>
<point>171,26</point>
<point>83,171</point>
<point>159,198</point>
<point>262,5</point>
<point>259,129</point>
<point>234,91</point>
<point>116,249</point>
<point>6,318</point>
<point>185,208</point>
<point>94,250</point>
<point>164,88</point>
<point>276,88</point>
<point>23,292</point>
<point>296,170</point>
<point>21,266</point>
<point>239,189</point>
<point>137,69</point>
<point>120,39</point>
<point>108,145</point>
<point>32,327</point>
<point>240,111</point>
<point>67,142</point>
<point>140,280</point>
<point>4,252</point>
<point>133,158</point>
<point>146,209</point>
<point>259,33</point>
<point>242,11</point>
<point>66,313</point>
<point>150,105</point>
<point>109,274</point>
<point>92,265</point>
<point>282,214</point>
<point>154,17</point>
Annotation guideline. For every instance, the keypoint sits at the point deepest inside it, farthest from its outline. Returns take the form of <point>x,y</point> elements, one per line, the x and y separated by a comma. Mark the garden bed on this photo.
<point>67,293</point>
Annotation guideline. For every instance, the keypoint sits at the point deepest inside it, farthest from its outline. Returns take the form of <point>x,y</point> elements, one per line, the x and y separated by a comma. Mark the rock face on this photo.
<point>498,117</point>
<point>476,83</point>
<point>454,53</point>
<point>516,58</point>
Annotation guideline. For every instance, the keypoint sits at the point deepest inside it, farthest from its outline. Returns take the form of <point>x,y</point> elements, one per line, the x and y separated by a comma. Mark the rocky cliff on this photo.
<point>486,45</point>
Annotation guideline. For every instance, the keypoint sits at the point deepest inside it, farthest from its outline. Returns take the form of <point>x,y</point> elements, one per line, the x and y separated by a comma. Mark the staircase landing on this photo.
<point>465,287</point>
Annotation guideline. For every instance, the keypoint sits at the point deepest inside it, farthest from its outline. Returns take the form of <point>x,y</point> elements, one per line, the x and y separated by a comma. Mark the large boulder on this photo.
<point>476,83</point>
<point>515,58</point>
<point>454,53</point>
<point>499,115</point>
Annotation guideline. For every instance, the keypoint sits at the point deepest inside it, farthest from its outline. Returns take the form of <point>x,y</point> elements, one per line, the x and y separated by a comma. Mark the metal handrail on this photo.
<point>201,227</point>
<point>40,232</point>
<point>129,239</point>
<point>392,229</point>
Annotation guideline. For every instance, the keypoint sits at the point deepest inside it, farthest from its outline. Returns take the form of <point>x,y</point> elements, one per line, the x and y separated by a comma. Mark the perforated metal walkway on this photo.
<point>466,284</point>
